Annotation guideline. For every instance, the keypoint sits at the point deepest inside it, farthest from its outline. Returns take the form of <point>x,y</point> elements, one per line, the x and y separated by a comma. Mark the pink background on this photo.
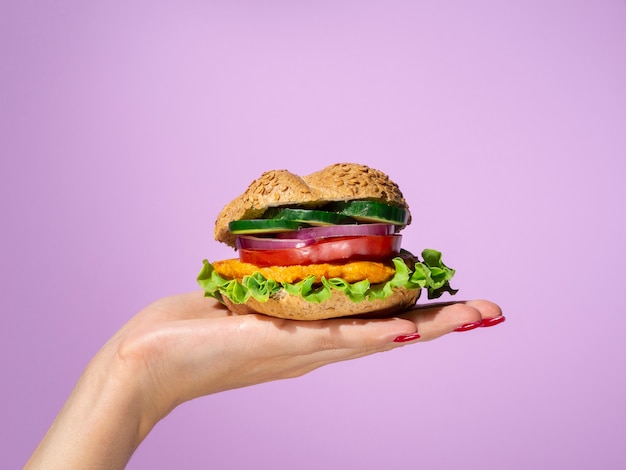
<point>126,126</point>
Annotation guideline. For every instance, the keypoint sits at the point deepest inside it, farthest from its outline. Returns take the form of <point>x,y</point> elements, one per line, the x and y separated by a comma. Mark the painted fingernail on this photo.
<point>406,338</point>
<point>469,326</point>
<point>492,321</point>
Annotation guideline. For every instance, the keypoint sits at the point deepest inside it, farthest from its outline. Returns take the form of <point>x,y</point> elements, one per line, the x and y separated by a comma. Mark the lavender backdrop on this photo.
<point>126,126</point>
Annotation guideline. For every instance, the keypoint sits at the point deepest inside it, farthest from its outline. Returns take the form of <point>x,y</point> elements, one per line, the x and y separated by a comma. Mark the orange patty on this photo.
<point>352,272</point>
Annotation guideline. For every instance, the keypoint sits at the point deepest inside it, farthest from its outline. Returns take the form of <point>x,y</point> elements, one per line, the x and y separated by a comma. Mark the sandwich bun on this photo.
<point>291,307</point>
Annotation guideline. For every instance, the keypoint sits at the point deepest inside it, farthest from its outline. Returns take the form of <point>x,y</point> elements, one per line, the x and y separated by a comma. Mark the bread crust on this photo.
<point>291,307</point>
<point>337,182</point>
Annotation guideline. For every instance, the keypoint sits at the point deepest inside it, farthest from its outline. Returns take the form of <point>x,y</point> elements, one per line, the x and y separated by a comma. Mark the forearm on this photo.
<point>102,422</point>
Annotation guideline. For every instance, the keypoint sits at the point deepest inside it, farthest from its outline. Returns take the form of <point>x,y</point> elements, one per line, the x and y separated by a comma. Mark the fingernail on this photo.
<point>469,326</point>
<point>492,321</point>
<point>406,338</point>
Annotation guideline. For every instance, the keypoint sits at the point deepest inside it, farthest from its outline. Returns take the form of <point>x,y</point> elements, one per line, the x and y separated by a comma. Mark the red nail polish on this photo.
<point>406,338</point>
<point>492,321</point>
<point>469,326</point>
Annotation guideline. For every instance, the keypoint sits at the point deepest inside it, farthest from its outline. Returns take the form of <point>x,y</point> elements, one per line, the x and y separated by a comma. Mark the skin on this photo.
<point>187,346</point>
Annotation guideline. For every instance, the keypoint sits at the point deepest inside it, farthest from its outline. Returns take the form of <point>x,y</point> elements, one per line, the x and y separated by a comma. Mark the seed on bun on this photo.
<point>324,245</point>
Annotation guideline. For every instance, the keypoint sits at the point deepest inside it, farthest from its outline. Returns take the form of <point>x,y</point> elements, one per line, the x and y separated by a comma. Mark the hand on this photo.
<point>186,346</point>
<point>192,346</point>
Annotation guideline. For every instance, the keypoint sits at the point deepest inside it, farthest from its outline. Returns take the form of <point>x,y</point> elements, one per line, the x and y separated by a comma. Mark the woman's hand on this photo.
<point>186,346</point>
<point>192,346</point>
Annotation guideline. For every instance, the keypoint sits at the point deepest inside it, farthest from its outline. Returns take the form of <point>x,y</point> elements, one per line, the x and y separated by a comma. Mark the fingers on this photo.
<point>342,339</point>
<point>436,320</point>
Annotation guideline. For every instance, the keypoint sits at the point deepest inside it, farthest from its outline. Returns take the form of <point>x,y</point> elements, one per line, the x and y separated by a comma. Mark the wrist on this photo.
<point>103,421</point>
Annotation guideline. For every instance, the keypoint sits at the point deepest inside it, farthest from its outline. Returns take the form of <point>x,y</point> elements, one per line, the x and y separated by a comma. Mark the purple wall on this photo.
<point>126,126</point>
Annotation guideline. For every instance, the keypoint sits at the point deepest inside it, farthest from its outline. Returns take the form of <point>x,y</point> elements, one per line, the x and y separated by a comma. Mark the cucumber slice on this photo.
<point>373,211</point>
<point>313,217</point>
<point>251,226</point>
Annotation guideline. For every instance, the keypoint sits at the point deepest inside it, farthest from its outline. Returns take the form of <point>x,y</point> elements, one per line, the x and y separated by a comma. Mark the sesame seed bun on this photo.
<point>338,182</point>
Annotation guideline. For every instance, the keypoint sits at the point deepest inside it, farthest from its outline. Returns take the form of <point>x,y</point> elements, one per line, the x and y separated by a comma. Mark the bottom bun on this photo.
<point>291,307</point>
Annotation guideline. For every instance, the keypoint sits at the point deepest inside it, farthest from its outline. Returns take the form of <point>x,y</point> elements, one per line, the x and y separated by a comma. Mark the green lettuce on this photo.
<point>430,274</point>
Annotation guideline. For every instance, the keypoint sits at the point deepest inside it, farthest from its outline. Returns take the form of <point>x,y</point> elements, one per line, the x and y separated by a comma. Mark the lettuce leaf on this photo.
<point>430,274</point>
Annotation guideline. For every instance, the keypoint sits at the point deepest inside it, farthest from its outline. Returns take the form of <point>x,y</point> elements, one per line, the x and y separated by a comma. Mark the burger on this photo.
<point>321,246</point>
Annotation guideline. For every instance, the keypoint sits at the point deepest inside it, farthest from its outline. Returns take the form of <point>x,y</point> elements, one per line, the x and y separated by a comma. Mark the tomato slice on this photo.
<point>374,248</point>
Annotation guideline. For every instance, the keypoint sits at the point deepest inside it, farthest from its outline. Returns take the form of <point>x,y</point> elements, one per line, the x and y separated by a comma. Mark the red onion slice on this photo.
<point>250,242</point>
<point>331,231</point>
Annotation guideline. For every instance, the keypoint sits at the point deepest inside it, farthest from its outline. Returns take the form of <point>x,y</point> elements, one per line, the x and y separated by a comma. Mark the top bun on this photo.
<point>338,182</point>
